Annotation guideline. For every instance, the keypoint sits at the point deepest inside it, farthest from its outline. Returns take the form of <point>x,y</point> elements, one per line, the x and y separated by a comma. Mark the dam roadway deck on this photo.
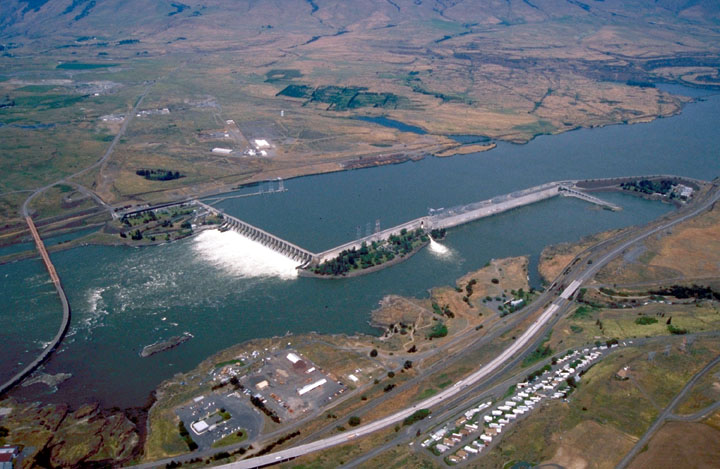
<point>440,219</point>
<point>455,216</point>
<point>64,324</point>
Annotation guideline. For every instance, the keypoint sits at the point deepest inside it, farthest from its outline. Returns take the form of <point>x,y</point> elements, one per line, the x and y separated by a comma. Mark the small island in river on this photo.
<point>163,345</point>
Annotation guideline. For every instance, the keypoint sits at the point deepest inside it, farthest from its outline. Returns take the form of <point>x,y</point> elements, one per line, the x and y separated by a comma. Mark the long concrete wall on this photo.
<point>275,243</point>
<point>64,324</point>
<point>447,218</point>
<point>490,208</point>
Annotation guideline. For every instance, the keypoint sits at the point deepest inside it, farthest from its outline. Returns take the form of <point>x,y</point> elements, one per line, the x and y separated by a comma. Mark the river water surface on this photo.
<point>224,289</point>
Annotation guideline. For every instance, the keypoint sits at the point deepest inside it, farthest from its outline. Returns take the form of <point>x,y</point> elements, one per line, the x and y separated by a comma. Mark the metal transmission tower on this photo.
<point>281,185</point>
<point>368,230</point>
<point>377,225</point>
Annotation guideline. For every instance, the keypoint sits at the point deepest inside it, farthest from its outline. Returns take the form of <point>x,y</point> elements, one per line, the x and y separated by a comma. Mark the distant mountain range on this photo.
<point>163,20</point>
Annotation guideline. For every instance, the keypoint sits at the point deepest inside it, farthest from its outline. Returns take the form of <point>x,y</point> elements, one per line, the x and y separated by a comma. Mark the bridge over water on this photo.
<point>64,323</point>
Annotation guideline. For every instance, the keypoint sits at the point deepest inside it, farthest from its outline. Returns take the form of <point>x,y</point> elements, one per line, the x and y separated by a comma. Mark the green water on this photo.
<point>125,298</point>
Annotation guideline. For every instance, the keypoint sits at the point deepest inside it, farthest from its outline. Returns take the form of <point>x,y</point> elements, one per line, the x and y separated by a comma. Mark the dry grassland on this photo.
<point>681,444</point>
<point>691,250</point>
<point>506,70</point>
<point>554,258</point>
<point>604,416</point>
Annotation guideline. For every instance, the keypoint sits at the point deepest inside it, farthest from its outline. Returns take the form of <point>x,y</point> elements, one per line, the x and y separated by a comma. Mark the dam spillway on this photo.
<point>261,236</point>
<point>440,219</point>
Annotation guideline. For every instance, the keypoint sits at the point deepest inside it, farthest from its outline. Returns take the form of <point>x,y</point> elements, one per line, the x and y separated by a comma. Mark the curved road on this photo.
<point>555,307</point>
<point>666,414</point>
<point>101,161</point>
<point>65,323</point>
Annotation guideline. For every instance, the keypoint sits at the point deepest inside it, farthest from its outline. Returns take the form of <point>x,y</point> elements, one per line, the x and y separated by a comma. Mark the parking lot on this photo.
<point>243,416</point>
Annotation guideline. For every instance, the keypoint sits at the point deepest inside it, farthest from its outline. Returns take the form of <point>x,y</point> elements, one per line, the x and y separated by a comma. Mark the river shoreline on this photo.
<point>360,272</point>
<point>334,167</point>
<point>330,167</point>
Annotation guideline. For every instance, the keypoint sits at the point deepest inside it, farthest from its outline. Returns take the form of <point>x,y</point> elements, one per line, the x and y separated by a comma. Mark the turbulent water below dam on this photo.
<point>224,289</point>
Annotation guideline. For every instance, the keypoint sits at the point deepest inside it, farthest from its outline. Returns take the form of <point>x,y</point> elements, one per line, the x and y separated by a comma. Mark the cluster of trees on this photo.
<point>224,414</point>
<point>537,373</point>
<point>645,320</point>
<point>647,186</point>
<point>257,402</point>
<point>469,287</point>
<point>444,311</point>
<point>437,331</point>
<point>159,174</point>
<point>185,435</point>
<point>279,441</point>
<point>144,217</point>
<point>682,292</point>
<point>438,233</point>
<point>416,416</point>
<point>676,330</point>
<point>375,254</point>
<point>538,354</point>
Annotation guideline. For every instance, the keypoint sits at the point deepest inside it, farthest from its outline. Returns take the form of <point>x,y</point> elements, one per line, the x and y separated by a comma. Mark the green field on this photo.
<point>84,66</point>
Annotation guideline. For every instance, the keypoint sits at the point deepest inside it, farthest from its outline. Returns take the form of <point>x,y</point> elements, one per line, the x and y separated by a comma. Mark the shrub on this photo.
<point>676,330</point>
<point>438,330</point>
<point>354,421</point>
<point>416,416</point>
<point>645,320</point>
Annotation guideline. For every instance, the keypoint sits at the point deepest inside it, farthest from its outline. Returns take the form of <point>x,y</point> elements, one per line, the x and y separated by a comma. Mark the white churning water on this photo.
<point>241,256</point>
<point>439,249</point>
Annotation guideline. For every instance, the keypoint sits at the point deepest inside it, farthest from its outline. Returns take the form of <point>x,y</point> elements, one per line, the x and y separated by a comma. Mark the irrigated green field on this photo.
<point>297,73</point>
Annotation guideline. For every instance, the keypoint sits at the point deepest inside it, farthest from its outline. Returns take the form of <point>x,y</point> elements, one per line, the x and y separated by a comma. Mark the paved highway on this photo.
<point>581,276</point>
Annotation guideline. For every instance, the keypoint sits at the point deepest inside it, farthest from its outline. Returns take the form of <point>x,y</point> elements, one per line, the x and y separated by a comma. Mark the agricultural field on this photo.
<point>588,324</point>
<point>183,79</point>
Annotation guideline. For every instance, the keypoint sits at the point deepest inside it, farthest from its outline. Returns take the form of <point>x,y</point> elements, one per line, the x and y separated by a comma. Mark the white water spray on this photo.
<point>439,249</point>
<point>241,256</point>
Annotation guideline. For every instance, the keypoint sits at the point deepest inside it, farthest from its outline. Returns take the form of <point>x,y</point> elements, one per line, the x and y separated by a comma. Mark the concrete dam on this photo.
<point>440,219</point>
<point>254,233</point>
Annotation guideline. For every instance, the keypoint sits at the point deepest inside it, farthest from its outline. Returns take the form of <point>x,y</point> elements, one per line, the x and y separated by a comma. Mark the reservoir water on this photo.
<point>225,290</point>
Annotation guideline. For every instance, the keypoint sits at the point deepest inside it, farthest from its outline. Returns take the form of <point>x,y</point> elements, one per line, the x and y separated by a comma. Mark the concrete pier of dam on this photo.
<point>275,243</point>
<point>441,219</point>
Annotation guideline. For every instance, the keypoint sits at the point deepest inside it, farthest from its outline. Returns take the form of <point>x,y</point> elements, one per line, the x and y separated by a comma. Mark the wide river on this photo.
<point>224,289</point>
